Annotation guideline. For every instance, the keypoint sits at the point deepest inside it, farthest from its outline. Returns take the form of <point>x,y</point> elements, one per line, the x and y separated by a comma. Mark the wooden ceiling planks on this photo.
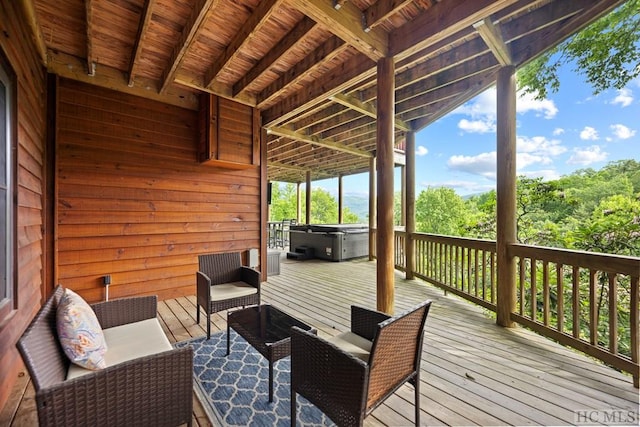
<point>308,66</point>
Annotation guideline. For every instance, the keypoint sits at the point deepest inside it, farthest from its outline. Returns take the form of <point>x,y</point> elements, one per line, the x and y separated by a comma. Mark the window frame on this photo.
<point>9,79</point>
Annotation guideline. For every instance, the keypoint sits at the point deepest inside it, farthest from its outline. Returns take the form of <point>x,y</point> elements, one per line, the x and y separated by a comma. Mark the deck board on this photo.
<point>473,372</point>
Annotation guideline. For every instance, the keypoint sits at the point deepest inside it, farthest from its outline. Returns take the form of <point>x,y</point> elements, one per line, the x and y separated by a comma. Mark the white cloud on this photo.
<point>589,134</point>
<point>624,97</point>
<point>482,110</point>
<point>421,150</point>
<point>543,107</point>
<point>587,156</point>
<point>483,164</point>
<point>477,126</point>
<point>622,132</point>
<point>539,145</point>
<point>526,159</point>
<point>558,131</point>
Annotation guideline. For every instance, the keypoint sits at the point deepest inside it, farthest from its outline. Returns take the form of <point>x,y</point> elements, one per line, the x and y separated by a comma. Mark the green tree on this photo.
<point>283,201</point>
<point>607,53</point>
<point>324,209</point>
<point>440,211</point>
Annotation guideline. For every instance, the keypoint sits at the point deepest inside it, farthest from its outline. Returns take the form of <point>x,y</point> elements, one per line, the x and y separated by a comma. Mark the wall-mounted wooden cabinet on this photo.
<point>229,133</point>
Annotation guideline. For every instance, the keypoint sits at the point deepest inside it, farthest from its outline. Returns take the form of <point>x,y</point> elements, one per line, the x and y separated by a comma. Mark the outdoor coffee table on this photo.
<point>268,330</point>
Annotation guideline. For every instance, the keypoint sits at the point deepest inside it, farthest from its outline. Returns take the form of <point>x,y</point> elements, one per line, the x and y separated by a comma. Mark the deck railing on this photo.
<point>585,300</point>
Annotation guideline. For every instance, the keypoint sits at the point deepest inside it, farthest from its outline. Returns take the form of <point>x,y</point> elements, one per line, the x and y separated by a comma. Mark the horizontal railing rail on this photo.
<point>585,300</point>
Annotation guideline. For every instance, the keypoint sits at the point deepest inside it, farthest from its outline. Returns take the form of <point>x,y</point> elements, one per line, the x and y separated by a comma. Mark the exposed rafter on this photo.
<point>189,32</point>
<point>261,14</point>
<point>364,108</point>
<point>140,39</point>
<point>381,10</point>
<point>310,139</point>
<point>346,23</point>
<point>280,49</point>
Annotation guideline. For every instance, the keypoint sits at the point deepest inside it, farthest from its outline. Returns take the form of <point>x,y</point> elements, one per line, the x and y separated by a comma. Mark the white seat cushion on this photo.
<point>127,342</point>
<point>353,344</point>
<point>231,290</point>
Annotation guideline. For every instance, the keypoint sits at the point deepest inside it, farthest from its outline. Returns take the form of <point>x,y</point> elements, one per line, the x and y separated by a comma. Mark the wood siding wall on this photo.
<point>15,42</point>
<point>134,203</point>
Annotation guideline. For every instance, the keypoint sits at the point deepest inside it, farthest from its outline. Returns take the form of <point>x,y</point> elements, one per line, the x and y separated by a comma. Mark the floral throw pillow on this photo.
<point>79,332</point>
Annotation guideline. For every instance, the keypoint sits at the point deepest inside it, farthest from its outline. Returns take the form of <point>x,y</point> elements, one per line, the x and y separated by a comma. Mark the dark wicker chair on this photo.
<point>224,283</point>
<point>348,376</point>
<point>155,390</point>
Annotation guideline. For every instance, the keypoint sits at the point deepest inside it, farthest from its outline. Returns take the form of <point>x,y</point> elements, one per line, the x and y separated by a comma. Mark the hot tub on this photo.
<point>332,242</point>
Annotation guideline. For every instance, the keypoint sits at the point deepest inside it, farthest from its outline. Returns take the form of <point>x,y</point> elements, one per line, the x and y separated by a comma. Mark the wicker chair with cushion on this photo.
<point>138,386</point>
<point>349,375</point>
<point>224,283</point>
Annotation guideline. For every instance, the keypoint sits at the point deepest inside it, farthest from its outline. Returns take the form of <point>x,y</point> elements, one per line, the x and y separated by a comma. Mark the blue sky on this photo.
<point>569,130</point>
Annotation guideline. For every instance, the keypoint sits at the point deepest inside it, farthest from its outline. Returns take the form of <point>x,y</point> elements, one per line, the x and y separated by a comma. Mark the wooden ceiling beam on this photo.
<point>191,29</point>
<point>310,139</point>
<point>143,27</point>
<point>280,49</point>
<point>381,10</point>
<point>258,18</point>
<point>346,23</point>
<point>442,20</point>
<point>355,69</point>
<point>91,60</point>
<point>38,38</point>
<point>74,68</point>
<point>364,108</point>
<point>219,89</point>
<point>325,52</point>
<point>492,37</point>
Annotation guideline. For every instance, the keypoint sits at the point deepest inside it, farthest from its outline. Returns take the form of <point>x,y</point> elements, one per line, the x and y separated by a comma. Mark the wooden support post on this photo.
<point>264,212</point>
<point>308,199</point>
<point>506,194</point>
<point>340,201</point>
<point>372,207</point>
<point>385,162</point>
<point>410,220</point>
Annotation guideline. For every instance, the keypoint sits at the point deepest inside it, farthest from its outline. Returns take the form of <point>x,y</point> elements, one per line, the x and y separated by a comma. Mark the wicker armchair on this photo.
<point>154,390</point>
<point>349,375</point>
<point>224,283</point>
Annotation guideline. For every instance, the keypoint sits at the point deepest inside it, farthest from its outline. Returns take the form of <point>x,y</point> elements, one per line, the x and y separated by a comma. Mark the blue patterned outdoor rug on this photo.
<point>234,389</point>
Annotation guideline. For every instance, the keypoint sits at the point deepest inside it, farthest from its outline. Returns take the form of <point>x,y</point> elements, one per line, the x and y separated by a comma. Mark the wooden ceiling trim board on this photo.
<point>355,69</point>
<point>259,17</point>
<point>343,128</point>
<point>38,38</point>
<point>346,118</point>
<point>279,50</point>
<point>325,52</point>
<point>442,20</point>
<point>287,167</point>
<point>550,14</point>
<point>91,60</point>
<point>326,115</point>
<point>492,37</point>
<point>364,108</point>
<point>143,28</point>
<point>381,10</point>
<point>219,89</point>
<point>346,23</point>
<point>72,67</point>
<point>316,141</point>
<point>198,16</point>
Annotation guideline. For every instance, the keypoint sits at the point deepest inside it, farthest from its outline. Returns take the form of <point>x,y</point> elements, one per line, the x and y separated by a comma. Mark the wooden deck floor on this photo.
<point>474,372</point>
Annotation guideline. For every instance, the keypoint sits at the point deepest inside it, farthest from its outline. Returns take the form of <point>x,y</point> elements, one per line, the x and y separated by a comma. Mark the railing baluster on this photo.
<point>560,296</point>
<point>522,280</point>
<point>534,290</point>
<point>613,313</point>
<point>545,293</point>
<point>593,308</point>
<point>575,301</point>
<point>635,326</point>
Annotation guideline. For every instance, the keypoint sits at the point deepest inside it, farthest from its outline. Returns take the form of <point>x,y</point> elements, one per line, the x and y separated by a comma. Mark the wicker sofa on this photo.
<point>147,389</point>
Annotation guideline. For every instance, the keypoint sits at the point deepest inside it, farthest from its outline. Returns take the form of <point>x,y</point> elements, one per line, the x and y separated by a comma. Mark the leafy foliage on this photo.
<point>607,53</point>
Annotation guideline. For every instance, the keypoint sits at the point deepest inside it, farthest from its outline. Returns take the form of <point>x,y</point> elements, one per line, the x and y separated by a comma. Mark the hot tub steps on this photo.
<point>301,253</point>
